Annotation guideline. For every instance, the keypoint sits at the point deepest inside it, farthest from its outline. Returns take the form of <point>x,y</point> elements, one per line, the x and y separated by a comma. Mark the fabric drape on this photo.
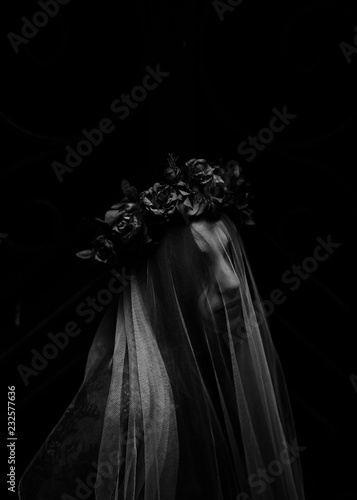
<point>175,404</point>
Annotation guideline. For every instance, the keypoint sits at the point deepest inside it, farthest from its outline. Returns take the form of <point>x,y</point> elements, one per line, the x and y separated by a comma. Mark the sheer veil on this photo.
<point>175,404</point>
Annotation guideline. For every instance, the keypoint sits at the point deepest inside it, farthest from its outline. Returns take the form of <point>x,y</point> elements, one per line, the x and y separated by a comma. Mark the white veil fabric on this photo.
<point>176,404</point>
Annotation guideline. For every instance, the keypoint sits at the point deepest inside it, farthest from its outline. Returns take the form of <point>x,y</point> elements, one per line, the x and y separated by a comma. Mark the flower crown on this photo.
<point>137,223</point>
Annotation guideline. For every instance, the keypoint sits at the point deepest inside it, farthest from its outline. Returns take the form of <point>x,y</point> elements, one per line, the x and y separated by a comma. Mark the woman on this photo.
<point>183,395</point>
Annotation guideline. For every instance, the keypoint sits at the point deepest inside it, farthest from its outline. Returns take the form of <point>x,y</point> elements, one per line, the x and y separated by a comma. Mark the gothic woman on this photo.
<point>183,395</point>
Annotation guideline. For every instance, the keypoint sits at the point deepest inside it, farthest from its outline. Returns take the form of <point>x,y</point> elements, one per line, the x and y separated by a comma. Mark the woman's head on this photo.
<point>194,276</point>
<point>221,294</point>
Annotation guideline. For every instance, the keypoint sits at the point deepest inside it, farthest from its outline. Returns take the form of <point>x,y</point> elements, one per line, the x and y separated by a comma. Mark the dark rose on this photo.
<point>228,190</point>
<point>172,174</point>
<point>116,212</point>
<point>232,174</point>
<point>217,193</point>
<point>194,203</point>
<point>103,249</point>
<point>160,199</point>
<point>199,171</point>
<point>216,190</point>
<point>129,221</point>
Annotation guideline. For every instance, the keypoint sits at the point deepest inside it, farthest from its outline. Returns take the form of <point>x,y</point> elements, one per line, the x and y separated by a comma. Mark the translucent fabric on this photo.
<point>180,399</point>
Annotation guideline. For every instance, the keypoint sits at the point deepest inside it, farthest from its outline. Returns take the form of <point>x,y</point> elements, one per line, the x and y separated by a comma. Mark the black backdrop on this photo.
<point>227,70</point>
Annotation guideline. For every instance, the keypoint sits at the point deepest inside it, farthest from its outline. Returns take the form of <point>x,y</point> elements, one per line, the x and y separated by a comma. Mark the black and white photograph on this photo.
<point>177,249</point>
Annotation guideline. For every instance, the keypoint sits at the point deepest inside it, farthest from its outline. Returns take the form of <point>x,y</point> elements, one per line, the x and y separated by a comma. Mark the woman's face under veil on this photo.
<point>219,301</point>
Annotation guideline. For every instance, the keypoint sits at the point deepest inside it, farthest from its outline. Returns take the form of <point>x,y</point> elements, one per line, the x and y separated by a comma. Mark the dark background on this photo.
<point>225,78</point>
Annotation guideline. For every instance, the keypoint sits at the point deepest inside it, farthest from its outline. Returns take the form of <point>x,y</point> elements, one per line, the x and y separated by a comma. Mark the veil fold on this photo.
<point>176,404</point>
